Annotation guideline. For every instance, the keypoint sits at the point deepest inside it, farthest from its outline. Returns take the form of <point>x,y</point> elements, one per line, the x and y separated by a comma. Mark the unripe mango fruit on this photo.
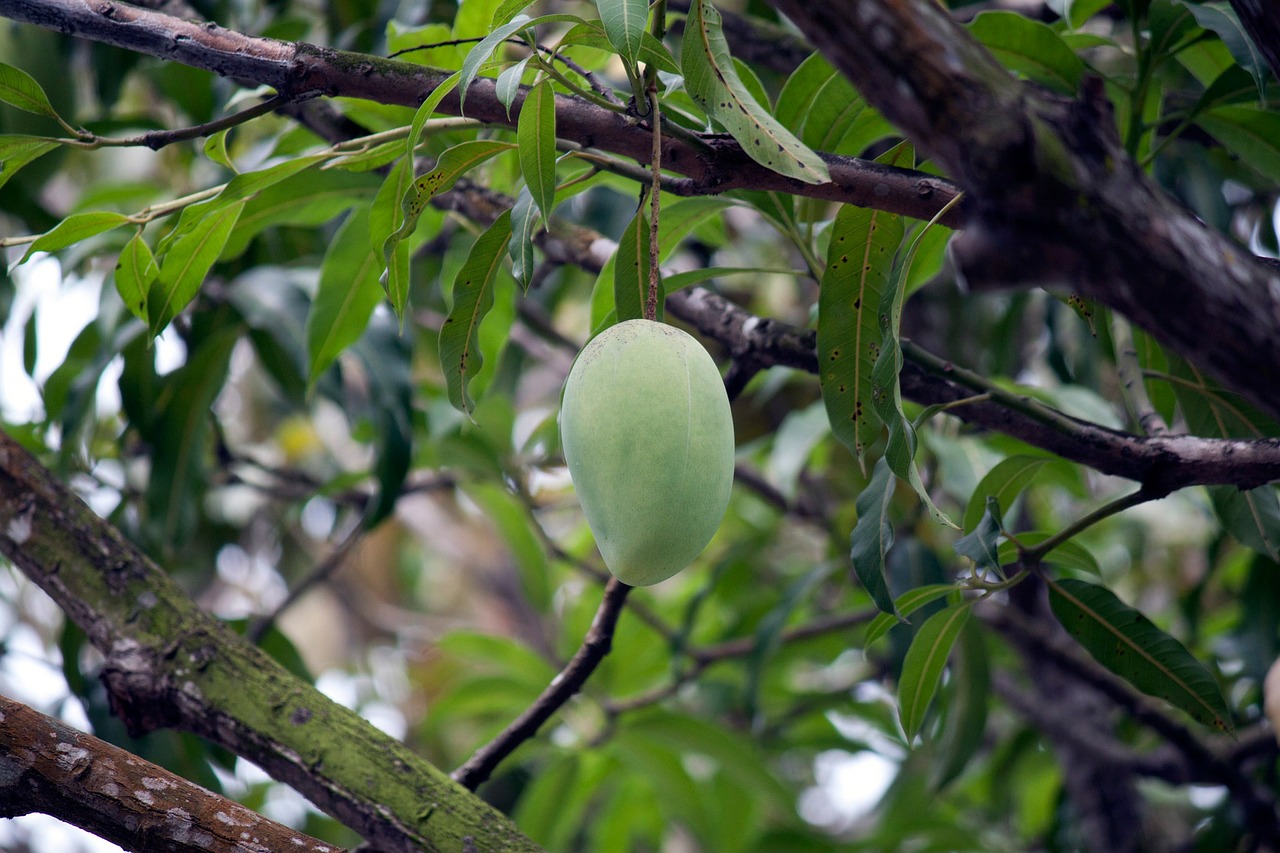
<point>647,433</point>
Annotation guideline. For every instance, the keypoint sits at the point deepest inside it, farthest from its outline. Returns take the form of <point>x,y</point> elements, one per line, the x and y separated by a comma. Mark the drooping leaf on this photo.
<point>1250,515</point>
<point>185,265</point>
<point>983,542</point>
<point>536,138</point>
<point>135,272</point>
<point>524,221</point>
<point>631,270</point>
<point>508,84</point>
<point>873,535</point>
<point>591,34</point>
<point>859,266</point>
<point>460,354</point>
<point>346,295</point>
<point>924,663</point>
<point>966,723</point>
<point>1127,643</point>
<point>712,81</point>
<point>1220,18</point>
<point>624,23</point>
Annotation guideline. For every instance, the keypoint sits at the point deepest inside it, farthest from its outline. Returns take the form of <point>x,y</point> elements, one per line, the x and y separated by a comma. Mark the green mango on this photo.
<point>647,433</point>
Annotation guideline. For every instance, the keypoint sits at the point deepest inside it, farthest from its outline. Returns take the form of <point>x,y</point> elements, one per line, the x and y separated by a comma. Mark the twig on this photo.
<point>319,574</point>
<point>1035,553</point>
<point>1130,372</point>
<point>596,644</point>
<point>157,139</point>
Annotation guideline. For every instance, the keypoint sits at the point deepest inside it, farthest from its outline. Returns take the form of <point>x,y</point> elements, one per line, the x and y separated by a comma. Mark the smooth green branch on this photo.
<point>1035,553</point>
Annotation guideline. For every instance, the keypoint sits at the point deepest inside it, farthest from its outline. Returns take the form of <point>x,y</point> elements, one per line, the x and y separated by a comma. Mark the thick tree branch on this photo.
<point>595,646</point>
<point>1056,200</point>
<point>49,767</point>
<point>715,165</point>
<point>168,663</point>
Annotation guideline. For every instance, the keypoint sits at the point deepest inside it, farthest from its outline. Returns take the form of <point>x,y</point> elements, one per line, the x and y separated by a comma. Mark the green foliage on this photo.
<point>311,329</point>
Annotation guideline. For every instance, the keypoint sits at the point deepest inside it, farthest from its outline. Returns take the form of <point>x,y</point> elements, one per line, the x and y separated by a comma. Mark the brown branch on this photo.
<point>51,768</point>
<point>710,164</point>
<point>1056,200</point>
<point>595,646</point>
<point>1162,463</point>
<point>168,663</point>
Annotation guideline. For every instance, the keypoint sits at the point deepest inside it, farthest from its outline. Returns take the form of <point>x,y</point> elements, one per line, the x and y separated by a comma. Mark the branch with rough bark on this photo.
<point>1055,198</point>
<point>170,664</point>
<point>48,767</point>
<point>710,163</point>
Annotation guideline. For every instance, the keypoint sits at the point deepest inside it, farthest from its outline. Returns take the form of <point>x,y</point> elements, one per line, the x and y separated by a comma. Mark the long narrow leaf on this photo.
<point>460,354</point>
<point>922,668</point>
<point>186,264</point>
<point>631,270</point>
<point>624,23</point>
<point>536,137</point>
<point>346,295</point>
<point>872,535</point>
<point>1127,643</point>
<point>713,82</point>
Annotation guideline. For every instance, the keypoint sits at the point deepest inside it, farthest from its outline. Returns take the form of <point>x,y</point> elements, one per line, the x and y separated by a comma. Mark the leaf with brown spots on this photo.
<point>472,298</point>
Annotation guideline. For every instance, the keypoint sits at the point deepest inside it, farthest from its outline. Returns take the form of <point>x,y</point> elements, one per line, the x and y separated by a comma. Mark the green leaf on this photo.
<point>73,229</point>
<point>308,199</point>
<point>712,81</point>
<point>508,10</point>
<point>524,220</point>
<point>652,51</point>
<point>1031,48</point>
<point>1249,133</point>
<point>859,266</point>
<point>1252,516</point>
<point>182,429</point>
<point>346,295</point>
<point>536,137</point>
<point>136,271</point>
<point>508,85</point>
<point>514,524</point>
<point>17,151</point>
<point>886,391</point>
<point>20,89</point>
<point>1004,482</point>
<point>922,668</point>
<point>906,604</point>
<point>624,23</point>
<point>460,355</point>
<point>481,53</point>
<point>631,270</point>
<point>1221,19</point>
<point>215,148</point>
<point>688,278</point>
<point>873,535</point>
<point>1067,555</point>
<point>982,543</point>
<point>1127,643</point>
<point>966,722</point>
<point>185,265</point>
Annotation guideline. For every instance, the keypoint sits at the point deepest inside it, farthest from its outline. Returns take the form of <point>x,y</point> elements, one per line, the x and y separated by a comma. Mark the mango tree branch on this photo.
<point>595,646</point>
<point>711,164</point>
<point>168,663</point>
<point>1056,200</point>
<point>51,768</point>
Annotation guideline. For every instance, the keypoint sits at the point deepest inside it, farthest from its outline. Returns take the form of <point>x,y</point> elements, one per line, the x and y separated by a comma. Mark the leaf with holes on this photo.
<point>472,298</point>
<point>922,668</point>
<point>536,138</point>
<point>712,81</point>
<point>859,265</point>
<point>1127,643</point>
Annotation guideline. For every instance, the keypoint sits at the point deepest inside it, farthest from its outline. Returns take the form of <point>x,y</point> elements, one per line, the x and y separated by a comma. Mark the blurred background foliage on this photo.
<point>741,707</point>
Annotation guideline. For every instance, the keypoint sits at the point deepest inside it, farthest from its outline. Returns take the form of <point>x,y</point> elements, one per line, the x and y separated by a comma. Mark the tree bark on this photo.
<point>168,663</point>
<point>1055,199</point>
<point>48,767</point>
